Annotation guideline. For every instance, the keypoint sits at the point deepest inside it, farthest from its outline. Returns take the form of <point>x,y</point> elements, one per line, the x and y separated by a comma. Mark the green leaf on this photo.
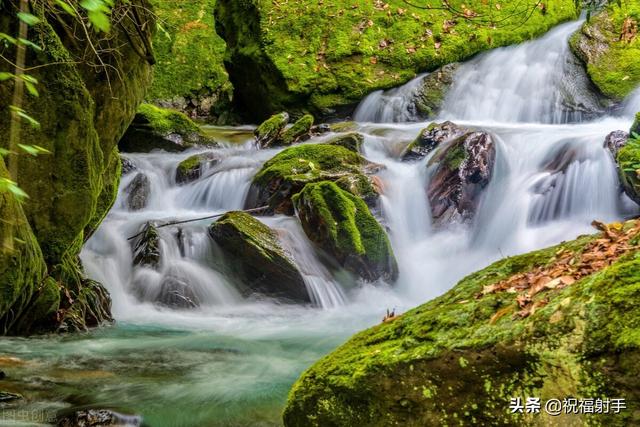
<point>635,135</point>
<point>100,20</point>
<point>28,18</point>
<point>33,150</point>
<point>7,37</point>
<point>28,78</point>
<point>31,88</point>
<point>23,114</point>
<point>4,152</point>
<point>5,76</point>
<point>66,7</point>
<point>6,185</point>
<point>30,44</point>
<point>92,5</point>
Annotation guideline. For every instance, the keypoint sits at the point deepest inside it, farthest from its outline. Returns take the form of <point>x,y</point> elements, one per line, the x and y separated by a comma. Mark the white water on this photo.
<point>532,202</point>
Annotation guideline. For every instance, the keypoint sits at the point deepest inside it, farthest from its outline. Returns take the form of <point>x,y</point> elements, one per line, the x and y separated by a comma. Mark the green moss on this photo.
<point>636,125</point>
<point>287,60</point>
<point>269,131</point>
<point>165,121</point>
<point>351,141</point>
<point>584,342</point>
<point>612,63</point>
<point>341,224</point>
<point>189,53</point>
<point>628,160</point>
<point>300,128</point>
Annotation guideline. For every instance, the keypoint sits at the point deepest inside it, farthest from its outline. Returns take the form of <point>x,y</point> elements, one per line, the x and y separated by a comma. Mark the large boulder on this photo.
<point>156,128</point>
<point>325,57</point>
<point>609,47</point>
<point>342,225</point>
<point>290,170</point>
<point>177,294</point>
<point>559,323</point>
<point>252,252</point>
<point>189,73</point>
<point>83,110</point>
<point>430,138</point>
<point>462,169</point>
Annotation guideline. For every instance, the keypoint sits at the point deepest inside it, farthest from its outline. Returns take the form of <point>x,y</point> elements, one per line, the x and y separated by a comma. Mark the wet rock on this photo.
<point>90,308</point>
<point>6,396</point>
<point>146,247</point>
<point>253,253</point>
<point>352,141</point>
<point>343,127</point>
<point>299,131</point>
<point>268,133</point>
<point>190,169</point>
<point>341,225</point>
<point>177,294</point>
<point>628,162</point>
<point>615,141</point>
<point>433,89</point>
<point>320,129</point>
<point>138,192</point>
<point>431,137</point>
<point>559,160</point>
<point>127,165</point>
<point>290,170</point>
<point>156,128</point>
<point>99,418</point>
<point>462,169</point>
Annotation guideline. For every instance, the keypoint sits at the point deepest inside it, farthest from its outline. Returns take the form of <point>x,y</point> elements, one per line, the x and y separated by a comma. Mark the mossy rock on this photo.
<point>189,72</point>
<point>460,358</point>
<point>351,141</point>
<point>612,62</point>
<point>82,114</point>
<point>290,170</point>
<point>461,169</point>
<point>635,128</point>
<point>342,225</point>
<point>190,169</point>
<point>628,161</point>
<point>281,57</point>
<point>298,131</point>
<point>146,247</point>
<point>433,89</point>
<point>269,131</point>
<point>156,128</point>
<point>430,138</point>
<point>252,251</point>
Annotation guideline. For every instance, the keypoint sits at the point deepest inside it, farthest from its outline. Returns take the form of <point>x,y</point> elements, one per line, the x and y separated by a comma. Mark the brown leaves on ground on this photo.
<point>567,268</point>
<point>629,30</point>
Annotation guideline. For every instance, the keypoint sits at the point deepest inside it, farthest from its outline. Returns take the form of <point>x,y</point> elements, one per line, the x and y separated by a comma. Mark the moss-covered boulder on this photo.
<point>460,171</point>
<point>290,170</point>
<point>156,128</point>
<point>351,141</point>
<point>610,48</point>
<point>190,169</point>
<point>298,131</point>
<point>430,138</point>
<point>269,131</point>
<point>83,111</point>
<point>281,57</point>
<point>433,90</point>
<point>461,358</point>
<point>340,224</point>
<point>189,72</point>
<point>252,252</point>
<point>628,161</point>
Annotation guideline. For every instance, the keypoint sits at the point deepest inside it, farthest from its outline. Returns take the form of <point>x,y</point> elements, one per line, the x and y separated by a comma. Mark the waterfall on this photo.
<point>391,106</point>
<point>632,105</point>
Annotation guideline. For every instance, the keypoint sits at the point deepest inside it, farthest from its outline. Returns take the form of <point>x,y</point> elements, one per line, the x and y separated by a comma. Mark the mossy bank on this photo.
<point>459,359</point>
<point>280,56</point>
<point>82,115</point>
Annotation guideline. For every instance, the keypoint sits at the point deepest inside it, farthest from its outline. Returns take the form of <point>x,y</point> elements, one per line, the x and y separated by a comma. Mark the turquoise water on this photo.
<point>197,375</point>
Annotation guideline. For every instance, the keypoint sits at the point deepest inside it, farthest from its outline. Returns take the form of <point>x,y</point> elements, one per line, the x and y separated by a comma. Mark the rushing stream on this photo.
<point>232,361</point>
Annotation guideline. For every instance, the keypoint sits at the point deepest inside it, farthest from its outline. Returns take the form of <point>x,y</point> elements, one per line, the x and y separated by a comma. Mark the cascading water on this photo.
<point>232,359</point>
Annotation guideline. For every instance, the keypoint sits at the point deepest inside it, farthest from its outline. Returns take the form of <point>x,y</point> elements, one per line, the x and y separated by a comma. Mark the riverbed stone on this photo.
<point>146,247</point>
<point>433,90</point>
<point>253,253</point>
<point>341,224</point>
<point>191,168</point>
<point>430,138</point>
<point>98,418</point>
<point>351,141</point>
<point>461,169</point>
<point>269,132</point>
<point>299,131</point>
<point>138,192</point>
<point>615,141</point>
<point>175,293</point>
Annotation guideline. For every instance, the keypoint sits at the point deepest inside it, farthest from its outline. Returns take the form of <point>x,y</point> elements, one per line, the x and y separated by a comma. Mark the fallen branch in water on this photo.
<point>199,219</point>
